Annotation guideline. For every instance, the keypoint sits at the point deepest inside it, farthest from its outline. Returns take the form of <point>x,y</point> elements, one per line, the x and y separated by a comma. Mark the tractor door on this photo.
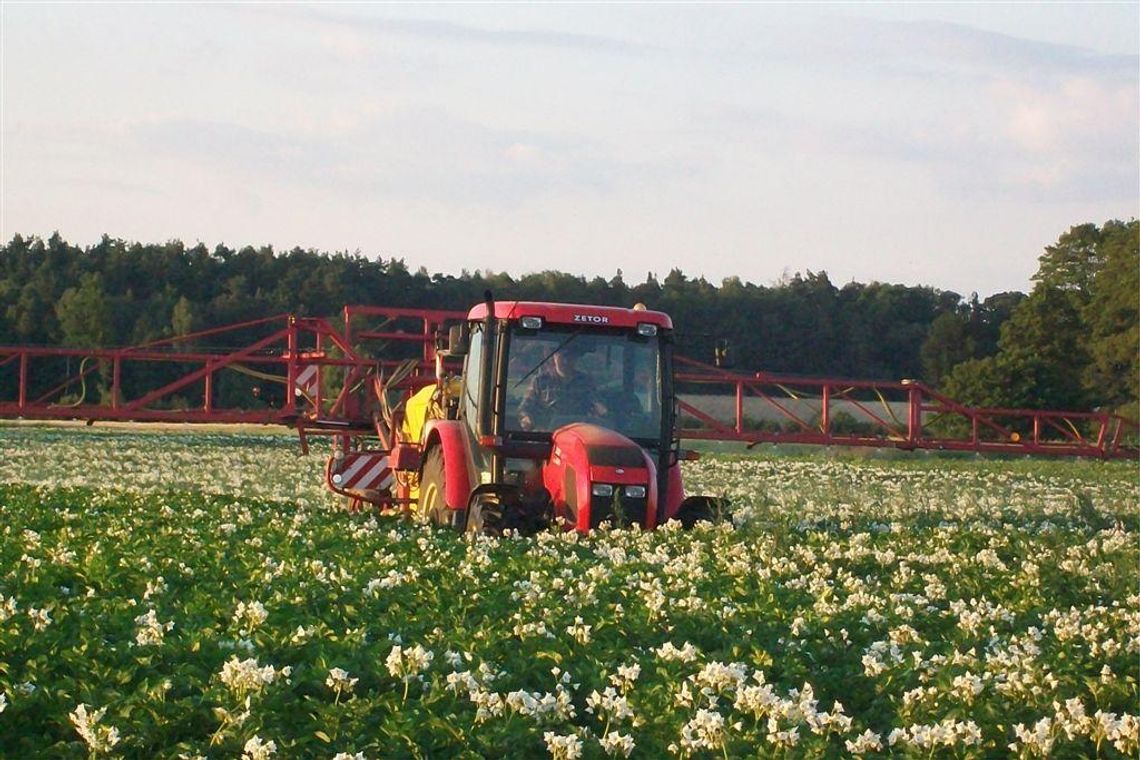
<point>476,408</point>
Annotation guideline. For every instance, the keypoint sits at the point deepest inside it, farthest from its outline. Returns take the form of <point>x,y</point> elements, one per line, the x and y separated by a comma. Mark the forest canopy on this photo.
<point>1072,342</point>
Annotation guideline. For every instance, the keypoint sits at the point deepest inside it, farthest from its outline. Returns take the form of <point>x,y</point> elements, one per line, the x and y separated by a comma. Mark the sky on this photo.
<point>923,144</point>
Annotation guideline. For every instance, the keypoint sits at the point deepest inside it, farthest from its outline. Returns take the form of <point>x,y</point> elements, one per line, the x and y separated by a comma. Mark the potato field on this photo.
<point>203,596</point>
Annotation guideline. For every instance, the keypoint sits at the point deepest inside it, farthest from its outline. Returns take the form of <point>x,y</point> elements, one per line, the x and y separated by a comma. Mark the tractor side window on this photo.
<point>473,376</point>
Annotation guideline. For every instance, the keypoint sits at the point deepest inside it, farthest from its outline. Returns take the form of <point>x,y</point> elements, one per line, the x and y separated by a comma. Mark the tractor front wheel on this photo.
<point>485,517</point>
<point>433,508</point>
<point>702,509</point>
<point>495,509</point>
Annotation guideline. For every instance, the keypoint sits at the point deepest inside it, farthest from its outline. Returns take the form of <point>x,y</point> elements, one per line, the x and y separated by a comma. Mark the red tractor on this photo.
<point>563,412</point>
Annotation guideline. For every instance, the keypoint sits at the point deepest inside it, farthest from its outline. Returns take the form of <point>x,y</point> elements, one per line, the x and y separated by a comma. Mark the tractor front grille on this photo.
<point>629,511</point>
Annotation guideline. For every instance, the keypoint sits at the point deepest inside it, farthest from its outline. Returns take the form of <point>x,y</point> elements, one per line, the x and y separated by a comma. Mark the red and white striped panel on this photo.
<point>362,470</point>
<point>307,382</point>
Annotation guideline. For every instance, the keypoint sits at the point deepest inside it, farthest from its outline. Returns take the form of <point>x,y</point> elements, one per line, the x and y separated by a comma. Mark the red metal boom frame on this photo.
<point>906,414</point>
<point>715,404</point>
<point>284,345</point>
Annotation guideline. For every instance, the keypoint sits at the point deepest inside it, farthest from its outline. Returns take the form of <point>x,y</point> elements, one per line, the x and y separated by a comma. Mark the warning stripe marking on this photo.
<point>360,461</point>
<point>308,381</point>
<point>376,472</point>
<point>366,471</point>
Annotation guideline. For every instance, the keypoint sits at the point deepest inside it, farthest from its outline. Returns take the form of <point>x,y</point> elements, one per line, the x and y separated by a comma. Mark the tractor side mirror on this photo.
<point>458,340</point>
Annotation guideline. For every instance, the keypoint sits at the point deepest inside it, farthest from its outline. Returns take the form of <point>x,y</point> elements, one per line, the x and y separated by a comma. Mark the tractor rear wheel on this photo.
<point>433,507</point>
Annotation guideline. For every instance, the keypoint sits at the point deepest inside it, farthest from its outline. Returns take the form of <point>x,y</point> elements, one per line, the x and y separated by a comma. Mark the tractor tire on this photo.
<point>486,517</point>
<point>432,507</point>
<point>701,509</point>
<point>493,513</point>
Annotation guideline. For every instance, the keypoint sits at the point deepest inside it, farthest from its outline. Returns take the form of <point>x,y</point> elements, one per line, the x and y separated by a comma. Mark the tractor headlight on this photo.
<point>602,489</point>
<point>635,492</point>
<point>531,323</point>
<point>646,329</point>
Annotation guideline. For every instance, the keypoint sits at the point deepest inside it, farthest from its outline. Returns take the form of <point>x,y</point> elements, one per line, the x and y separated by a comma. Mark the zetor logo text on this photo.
<point>592,319</point>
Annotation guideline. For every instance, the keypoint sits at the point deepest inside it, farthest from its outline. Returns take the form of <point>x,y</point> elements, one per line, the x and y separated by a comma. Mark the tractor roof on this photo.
<point>570,313</point>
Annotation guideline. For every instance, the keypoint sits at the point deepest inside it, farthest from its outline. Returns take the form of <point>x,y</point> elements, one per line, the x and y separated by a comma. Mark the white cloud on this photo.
<point>1078,114</point>
<point>738,139</point>
<point>1079,134</point>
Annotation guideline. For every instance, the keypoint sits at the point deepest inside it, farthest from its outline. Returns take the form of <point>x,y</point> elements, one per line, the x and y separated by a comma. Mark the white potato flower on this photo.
<point>340,682</point>
<point>626,677</point>
<point>99,738</point>
<point>257,748</point>
<point>868,741</point>
<point>149,631</point>
<point>563,747</point>
<point>609,705</point>
<point>406,663</point>
<point>41,618</point>
<point>250,616</point>
<point>1035,740</point>
<point>670,653</point>
<point>579,631</point>
<point>706,730</point>
<point>617,745</point>
<point>245,676</point>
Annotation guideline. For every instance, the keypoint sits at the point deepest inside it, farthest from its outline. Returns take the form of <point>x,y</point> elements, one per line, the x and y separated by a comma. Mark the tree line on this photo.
<point>1071,342</point>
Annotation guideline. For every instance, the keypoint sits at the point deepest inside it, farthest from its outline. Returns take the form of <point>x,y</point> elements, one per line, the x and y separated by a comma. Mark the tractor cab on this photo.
<point>534,368</point>
<point>548,373</point>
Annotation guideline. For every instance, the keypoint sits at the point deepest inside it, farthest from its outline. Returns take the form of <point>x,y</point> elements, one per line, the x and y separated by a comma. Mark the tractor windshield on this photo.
<point>561,374</point>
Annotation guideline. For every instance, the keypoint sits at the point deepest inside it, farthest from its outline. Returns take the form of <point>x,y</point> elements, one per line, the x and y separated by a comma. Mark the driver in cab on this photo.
<point>560,391</point>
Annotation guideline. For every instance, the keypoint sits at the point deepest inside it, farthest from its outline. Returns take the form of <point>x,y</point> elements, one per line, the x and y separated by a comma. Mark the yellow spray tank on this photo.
<point>428,403</point>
